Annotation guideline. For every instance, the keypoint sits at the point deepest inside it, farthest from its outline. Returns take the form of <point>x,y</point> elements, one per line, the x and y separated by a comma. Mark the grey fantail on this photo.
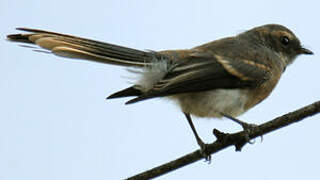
<point>225,77</point>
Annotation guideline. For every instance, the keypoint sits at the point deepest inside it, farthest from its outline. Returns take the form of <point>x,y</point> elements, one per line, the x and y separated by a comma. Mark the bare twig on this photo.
<point>238,139</point>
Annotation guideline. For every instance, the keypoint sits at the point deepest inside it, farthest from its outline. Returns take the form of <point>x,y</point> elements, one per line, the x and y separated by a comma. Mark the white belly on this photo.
<point>213,103</point>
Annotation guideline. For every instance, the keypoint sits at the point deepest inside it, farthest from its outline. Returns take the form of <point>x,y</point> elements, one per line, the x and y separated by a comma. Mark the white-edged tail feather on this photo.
<point>81,48</point>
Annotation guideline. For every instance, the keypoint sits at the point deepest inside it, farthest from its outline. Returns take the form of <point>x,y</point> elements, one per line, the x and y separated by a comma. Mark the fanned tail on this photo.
<point>81,48</point>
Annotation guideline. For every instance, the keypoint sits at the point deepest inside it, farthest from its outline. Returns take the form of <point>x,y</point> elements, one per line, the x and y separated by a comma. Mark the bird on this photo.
<point>221,78</point>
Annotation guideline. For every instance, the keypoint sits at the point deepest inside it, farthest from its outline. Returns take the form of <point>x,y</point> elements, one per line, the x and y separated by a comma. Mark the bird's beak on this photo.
<point>305,51</point>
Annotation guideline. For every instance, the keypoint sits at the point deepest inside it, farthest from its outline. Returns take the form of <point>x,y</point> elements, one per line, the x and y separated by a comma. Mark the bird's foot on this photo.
<point>204,151</point>
<point>247,127</point>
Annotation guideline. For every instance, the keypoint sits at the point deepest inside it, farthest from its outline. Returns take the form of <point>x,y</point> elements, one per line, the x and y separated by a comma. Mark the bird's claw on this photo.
<point>204,152</point>
<point>248,127</point>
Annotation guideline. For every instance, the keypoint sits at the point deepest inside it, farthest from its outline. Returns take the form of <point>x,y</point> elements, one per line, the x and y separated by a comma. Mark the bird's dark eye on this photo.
<point>285,40</point>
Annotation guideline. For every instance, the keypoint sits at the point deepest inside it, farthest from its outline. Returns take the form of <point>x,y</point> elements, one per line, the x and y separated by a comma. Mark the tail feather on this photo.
<point>81,48</point>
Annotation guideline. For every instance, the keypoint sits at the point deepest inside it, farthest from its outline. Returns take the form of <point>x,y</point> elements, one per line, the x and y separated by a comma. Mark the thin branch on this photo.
<point>238,139</point>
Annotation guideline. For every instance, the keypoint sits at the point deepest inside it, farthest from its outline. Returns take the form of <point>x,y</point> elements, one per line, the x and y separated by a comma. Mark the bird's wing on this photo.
<point>205,71</point>
<point>81,48</point>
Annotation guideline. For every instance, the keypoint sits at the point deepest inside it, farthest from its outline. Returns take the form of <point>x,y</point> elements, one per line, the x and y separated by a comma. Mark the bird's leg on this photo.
<point>245,126</point>
<point>202,145</point>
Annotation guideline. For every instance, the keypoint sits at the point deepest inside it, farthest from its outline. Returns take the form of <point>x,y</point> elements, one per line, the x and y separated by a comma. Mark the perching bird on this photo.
<point>225,77</point>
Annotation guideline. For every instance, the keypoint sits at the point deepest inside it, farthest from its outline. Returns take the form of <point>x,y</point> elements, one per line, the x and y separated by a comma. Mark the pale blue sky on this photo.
<point>55,123</point>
